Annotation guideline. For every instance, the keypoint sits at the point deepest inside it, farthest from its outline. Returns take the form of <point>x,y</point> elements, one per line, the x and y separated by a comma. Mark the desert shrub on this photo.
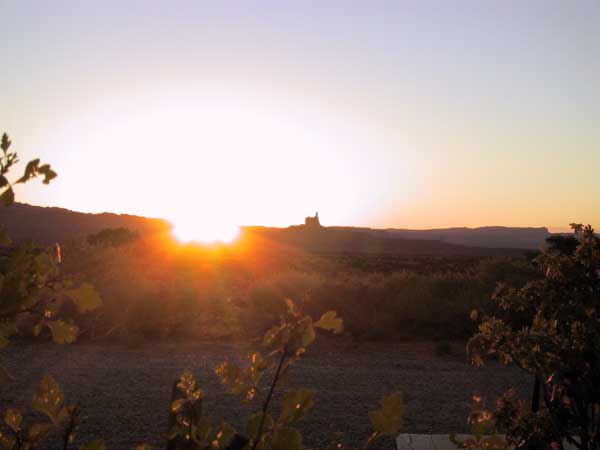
<point>181,294</point>
<point>114,237</point>
<point>401,303</point>
<point>550,328</point>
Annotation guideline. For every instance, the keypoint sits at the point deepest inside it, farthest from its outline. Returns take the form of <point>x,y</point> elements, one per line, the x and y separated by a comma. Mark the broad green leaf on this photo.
<point>13,419</point>
<point>38,431</point>
<point>330,321</point>
<point>7,197</point>
<point>85,297</point>
<point>63,332</point>
<point>388,419</point>
<point>49,399</point>
<point>97,444</point>
<point>295,404</point>
<point>287,439</point>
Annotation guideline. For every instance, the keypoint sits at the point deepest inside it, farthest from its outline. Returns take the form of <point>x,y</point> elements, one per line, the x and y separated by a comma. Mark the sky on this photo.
<point>405,114</point>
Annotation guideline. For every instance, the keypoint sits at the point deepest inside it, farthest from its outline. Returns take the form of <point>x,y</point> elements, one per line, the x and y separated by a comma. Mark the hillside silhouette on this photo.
<point>46,225</point>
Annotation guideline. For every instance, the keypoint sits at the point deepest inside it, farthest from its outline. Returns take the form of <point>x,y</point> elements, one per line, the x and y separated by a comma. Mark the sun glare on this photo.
<point>205,233</point>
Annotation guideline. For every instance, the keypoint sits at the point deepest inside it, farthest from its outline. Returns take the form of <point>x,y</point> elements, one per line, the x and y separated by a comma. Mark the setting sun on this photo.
<point>204,232</point>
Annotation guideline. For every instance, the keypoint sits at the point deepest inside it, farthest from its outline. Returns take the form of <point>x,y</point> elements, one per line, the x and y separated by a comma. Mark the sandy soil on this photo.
<point>124,391</point>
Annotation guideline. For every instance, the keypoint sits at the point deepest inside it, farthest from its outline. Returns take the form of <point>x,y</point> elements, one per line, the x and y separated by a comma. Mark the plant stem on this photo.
<point>268,399</point>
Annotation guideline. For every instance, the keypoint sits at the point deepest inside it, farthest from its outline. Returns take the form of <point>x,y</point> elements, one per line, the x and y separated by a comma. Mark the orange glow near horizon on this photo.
<point>202,232</point>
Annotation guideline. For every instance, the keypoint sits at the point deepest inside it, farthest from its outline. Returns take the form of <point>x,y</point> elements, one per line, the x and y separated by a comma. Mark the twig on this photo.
<point>268,399</point>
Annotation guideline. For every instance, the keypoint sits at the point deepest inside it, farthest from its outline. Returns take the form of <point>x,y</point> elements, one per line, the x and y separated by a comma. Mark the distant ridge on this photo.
<point>330,240</point>
<point>47,225</point>
<point>491,237</point>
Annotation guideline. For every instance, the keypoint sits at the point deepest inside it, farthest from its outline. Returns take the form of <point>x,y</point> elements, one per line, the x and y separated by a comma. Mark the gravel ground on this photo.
<point>124,391</point>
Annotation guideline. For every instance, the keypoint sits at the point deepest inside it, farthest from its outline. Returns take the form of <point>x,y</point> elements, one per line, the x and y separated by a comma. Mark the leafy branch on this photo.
<point>7,160</point>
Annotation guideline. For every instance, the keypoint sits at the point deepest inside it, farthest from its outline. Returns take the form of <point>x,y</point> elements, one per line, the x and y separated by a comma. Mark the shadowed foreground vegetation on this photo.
<point>160,289</point>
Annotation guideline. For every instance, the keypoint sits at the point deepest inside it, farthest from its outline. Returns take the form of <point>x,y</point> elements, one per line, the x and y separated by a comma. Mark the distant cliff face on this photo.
<point>50,225</point>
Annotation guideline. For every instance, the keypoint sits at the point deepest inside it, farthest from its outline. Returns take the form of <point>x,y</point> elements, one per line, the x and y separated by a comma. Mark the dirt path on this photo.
<point>124,391</point>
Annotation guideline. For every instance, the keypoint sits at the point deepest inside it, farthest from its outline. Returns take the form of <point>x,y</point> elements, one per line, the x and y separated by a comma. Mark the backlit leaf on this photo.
<point>177,404</point>
<point>48,399</point>
<point>308,335</point>
<point>5,143</point>
<point>48,173</point>
<point>63,332</point>
<point>388,419</point>
<point>85,297</point>
<point>187,385</point>
<point>31,171</point>
<point>330,321</point>
<point>295,404</point>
